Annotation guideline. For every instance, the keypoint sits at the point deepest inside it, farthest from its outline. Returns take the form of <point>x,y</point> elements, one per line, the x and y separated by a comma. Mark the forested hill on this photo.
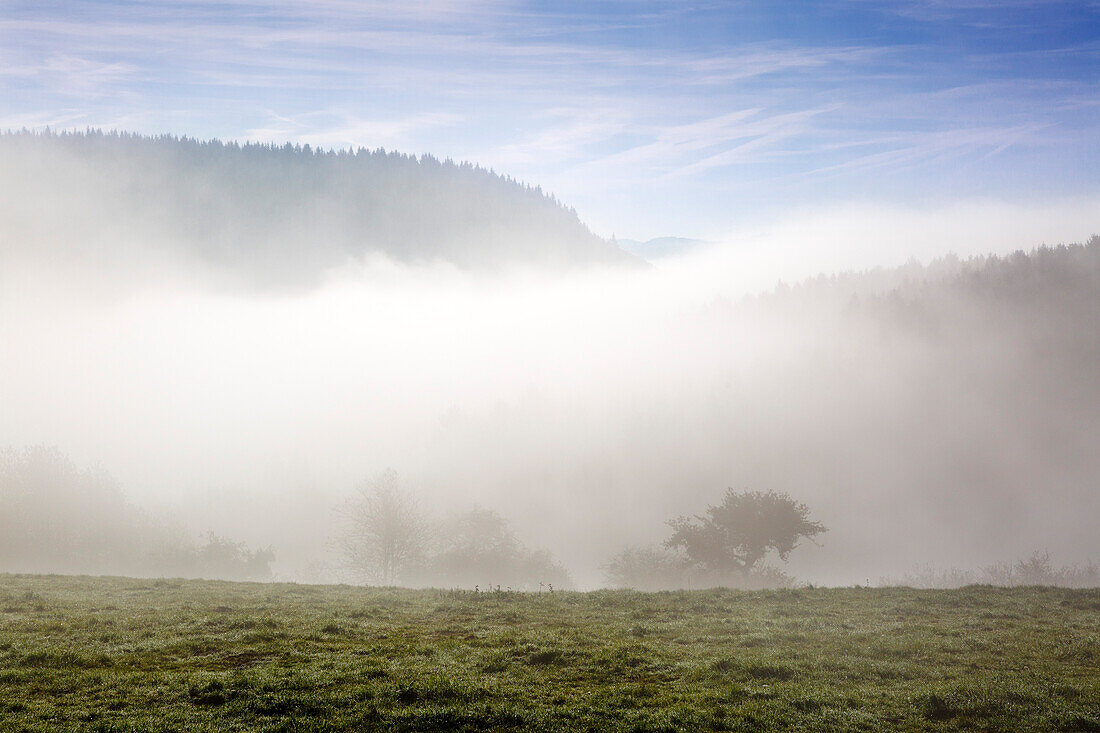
<point>276,214</point>
<point>1024,323</point>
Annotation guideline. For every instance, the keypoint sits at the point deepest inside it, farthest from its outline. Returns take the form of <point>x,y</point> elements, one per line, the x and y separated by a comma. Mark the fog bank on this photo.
<point>942,414</point>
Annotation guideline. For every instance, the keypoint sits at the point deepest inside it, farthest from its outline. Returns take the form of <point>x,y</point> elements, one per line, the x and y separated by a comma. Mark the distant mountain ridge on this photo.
<point>660,247</point>
<point>278,214</point>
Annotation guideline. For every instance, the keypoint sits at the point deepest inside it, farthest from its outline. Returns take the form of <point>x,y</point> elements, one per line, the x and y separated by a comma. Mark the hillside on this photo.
<point>273,215</point>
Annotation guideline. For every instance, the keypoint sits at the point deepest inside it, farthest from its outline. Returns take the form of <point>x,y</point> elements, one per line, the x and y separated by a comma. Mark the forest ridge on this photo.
<point>280,215</point>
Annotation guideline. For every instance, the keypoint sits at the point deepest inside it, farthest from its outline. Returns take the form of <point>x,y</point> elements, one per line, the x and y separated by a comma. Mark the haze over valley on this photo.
<point>236,338</point>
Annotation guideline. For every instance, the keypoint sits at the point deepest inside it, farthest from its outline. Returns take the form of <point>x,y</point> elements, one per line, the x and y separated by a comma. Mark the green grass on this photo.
<point>111,654</point>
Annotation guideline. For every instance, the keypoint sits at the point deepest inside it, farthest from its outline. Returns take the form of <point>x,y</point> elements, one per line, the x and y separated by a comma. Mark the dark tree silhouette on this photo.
<point>738,533</point>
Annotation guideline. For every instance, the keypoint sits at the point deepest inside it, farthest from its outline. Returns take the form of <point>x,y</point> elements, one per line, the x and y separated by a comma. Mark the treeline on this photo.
<point>279,215</point>
<point>1049,285</point>
<point>927,295</point>
<point>57,518</point>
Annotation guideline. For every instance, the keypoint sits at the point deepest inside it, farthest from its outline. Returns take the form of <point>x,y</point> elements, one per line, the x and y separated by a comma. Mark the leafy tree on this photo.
<point>738,533</point>
<point>385,534</point>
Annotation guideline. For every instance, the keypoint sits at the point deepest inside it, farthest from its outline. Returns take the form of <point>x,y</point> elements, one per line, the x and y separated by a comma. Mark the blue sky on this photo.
<point>651,118</point>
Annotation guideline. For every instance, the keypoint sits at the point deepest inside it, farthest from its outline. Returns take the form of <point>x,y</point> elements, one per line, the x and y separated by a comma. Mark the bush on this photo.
<point>654,568</point>
<point>647,568</point>
<point>478,547</point>
<point>228,560</point>
<point>1037,569</point>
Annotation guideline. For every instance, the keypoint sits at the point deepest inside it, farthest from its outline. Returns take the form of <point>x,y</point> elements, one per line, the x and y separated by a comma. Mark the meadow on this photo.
<point>117,654</point>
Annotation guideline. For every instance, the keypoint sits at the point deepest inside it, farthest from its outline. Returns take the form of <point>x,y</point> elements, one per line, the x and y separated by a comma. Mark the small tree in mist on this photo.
<point>738,533</point>
<point>385,534</point>
<point>479,547</point>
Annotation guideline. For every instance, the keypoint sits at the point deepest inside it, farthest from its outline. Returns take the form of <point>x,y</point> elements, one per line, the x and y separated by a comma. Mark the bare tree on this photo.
<point>385,534</point>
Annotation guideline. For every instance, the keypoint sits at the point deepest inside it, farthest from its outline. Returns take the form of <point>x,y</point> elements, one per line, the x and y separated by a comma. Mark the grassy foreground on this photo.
<point>112,654</point>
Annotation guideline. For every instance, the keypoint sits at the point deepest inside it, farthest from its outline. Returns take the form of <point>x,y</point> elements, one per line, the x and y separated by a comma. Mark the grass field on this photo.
<point>79,653</point>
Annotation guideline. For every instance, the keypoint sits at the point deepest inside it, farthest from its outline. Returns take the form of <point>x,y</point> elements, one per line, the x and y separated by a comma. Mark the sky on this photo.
<point>651,118</point>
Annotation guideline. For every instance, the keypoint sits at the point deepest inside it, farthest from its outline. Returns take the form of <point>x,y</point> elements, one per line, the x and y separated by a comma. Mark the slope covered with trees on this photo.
<point>275,214</point>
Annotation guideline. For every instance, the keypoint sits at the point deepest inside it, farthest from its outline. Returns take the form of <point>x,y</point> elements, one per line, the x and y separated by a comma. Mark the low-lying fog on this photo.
<point>586,407</point>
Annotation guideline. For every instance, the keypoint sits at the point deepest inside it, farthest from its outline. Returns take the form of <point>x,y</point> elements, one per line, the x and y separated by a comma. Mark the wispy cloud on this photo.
<point>761,60</point>
<point>691,148</point>
<point>564,135</point>
<point>66,74</point>
<point>904,152</point>
<point>41,120</point>
<point>342,130</point>
<point>977,12</point>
